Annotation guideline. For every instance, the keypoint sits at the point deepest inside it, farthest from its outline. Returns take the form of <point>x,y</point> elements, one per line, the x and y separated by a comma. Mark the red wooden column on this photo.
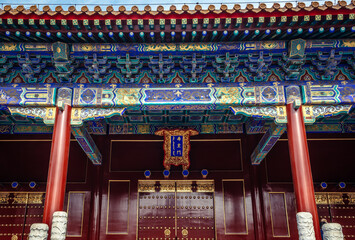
<point>301,166</point>
<point>58,164</point>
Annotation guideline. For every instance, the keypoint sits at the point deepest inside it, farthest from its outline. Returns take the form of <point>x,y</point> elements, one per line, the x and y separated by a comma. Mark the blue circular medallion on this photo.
<point>342,185</point>
<point>166,173</point>
<point>185,173</point>
<point>147,173</point>
<point>32,184</point>
<point>204,173</point>
<point>14,184</point>
<point>323,185</point>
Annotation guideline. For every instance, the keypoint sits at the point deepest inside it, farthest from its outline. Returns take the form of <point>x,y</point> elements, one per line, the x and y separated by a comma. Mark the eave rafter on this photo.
<point>118,24</point>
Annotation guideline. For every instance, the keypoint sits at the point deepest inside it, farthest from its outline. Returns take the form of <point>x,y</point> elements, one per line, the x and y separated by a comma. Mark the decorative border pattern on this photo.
<point>27,96</point>
<point>335,198</point>
<point>328,94</point>
<point>310,113</point>
<point>79,115</point>
<point>46,113</point>
<point>278,113</point>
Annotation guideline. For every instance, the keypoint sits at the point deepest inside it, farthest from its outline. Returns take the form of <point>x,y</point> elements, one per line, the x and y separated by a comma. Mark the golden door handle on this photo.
<point>184,232</point>
<point>167,232</point>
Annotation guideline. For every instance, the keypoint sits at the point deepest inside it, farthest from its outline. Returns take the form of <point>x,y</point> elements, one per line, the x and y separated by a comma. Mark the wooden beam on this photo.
<point>119,23</point>
<point>87,144</point>
<point>238,22</point>
<point>32,24</point>
<point>267,142</point>
<point>97,24</point>
<point>294,20</point>
<point>10,22</point>
<point>2,23</point>
<point>172,23</point>
<point>42,23</point>
<point>108,24</point>
<point>76,24</point>
<point>64,24</point>
<point>86,24</point>
<point>129,23</point>
<point>140,24</point>
<point>261,21</point>
<point>54,24</point>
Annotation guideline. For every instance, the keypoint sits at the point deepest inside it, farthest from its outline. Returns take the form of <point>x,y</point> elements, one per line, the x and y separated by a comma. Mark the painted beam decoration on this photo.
<point>267,142</point>
<point>178,47</point>
<point>94,103</point>
<point>153,128</point>
<point>178,97</point>
<point>311,113</point>
<point>27,96</point>
<point>277,113</point>
<point>111,96</point>
<point>329,94</point>
<point>79,115</point>
<point>47,114</point>
<point>176,147</point>
<point>92,128</point>
<point>212,96</point>
<point>87,144</point>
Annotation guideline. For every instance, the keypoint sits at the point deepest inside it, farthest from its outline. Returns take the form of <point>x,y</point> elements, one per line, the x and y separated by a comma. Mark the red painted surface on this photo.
<point>118,207</point>
<point>301,166</point>
<point>95,210</point>
<point>234,207</point>
<point>265,219</point>
<point>58,165</point>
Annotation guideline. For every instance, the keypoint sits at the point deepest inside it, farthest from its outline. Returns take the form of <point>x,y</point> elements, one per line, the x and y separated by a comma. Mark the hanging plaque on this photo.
<point>176,147</point>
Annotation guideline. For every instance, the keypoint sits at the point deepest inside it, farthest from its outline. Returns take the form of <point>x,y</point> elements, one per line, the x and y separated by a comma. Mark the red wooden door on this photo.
<point>156,212</point>
<point>176,210</point>
<point>18,210</point>
<point>195,211</point>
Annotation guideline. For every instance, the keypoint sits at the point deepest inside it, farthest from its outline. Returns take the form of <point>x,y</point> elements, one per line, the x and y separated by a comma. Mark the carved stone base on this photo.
<point>305,226</point>
<point>59,226</point>
<point>332,231</point>
<point>38,231</point>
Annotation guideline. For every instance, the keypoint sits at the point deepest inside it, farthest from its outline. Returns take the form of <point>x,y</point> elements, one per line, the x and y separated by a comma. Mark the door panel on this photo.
<point>176,210</point>
<point>156,212</point>
<point>195,210</point>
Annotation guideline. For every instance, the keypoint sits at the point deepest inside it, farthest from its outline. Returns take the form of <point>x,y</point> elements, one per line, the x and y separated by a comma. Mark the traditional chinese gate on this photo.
<point>176,210</point>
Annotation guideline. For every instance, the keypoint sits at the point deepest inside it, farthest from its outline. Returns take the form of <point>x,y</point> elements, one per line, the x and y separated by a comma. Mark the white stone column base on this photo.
<point>38,231</point>
<point>332,231</point>
<point>305,226</point>
<point>59,226</point>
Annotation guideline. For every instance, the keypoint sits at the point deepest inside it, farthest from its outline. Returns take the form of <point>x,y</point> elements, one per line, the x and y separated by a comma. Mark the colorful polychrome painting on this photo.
<point>152,120</point>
